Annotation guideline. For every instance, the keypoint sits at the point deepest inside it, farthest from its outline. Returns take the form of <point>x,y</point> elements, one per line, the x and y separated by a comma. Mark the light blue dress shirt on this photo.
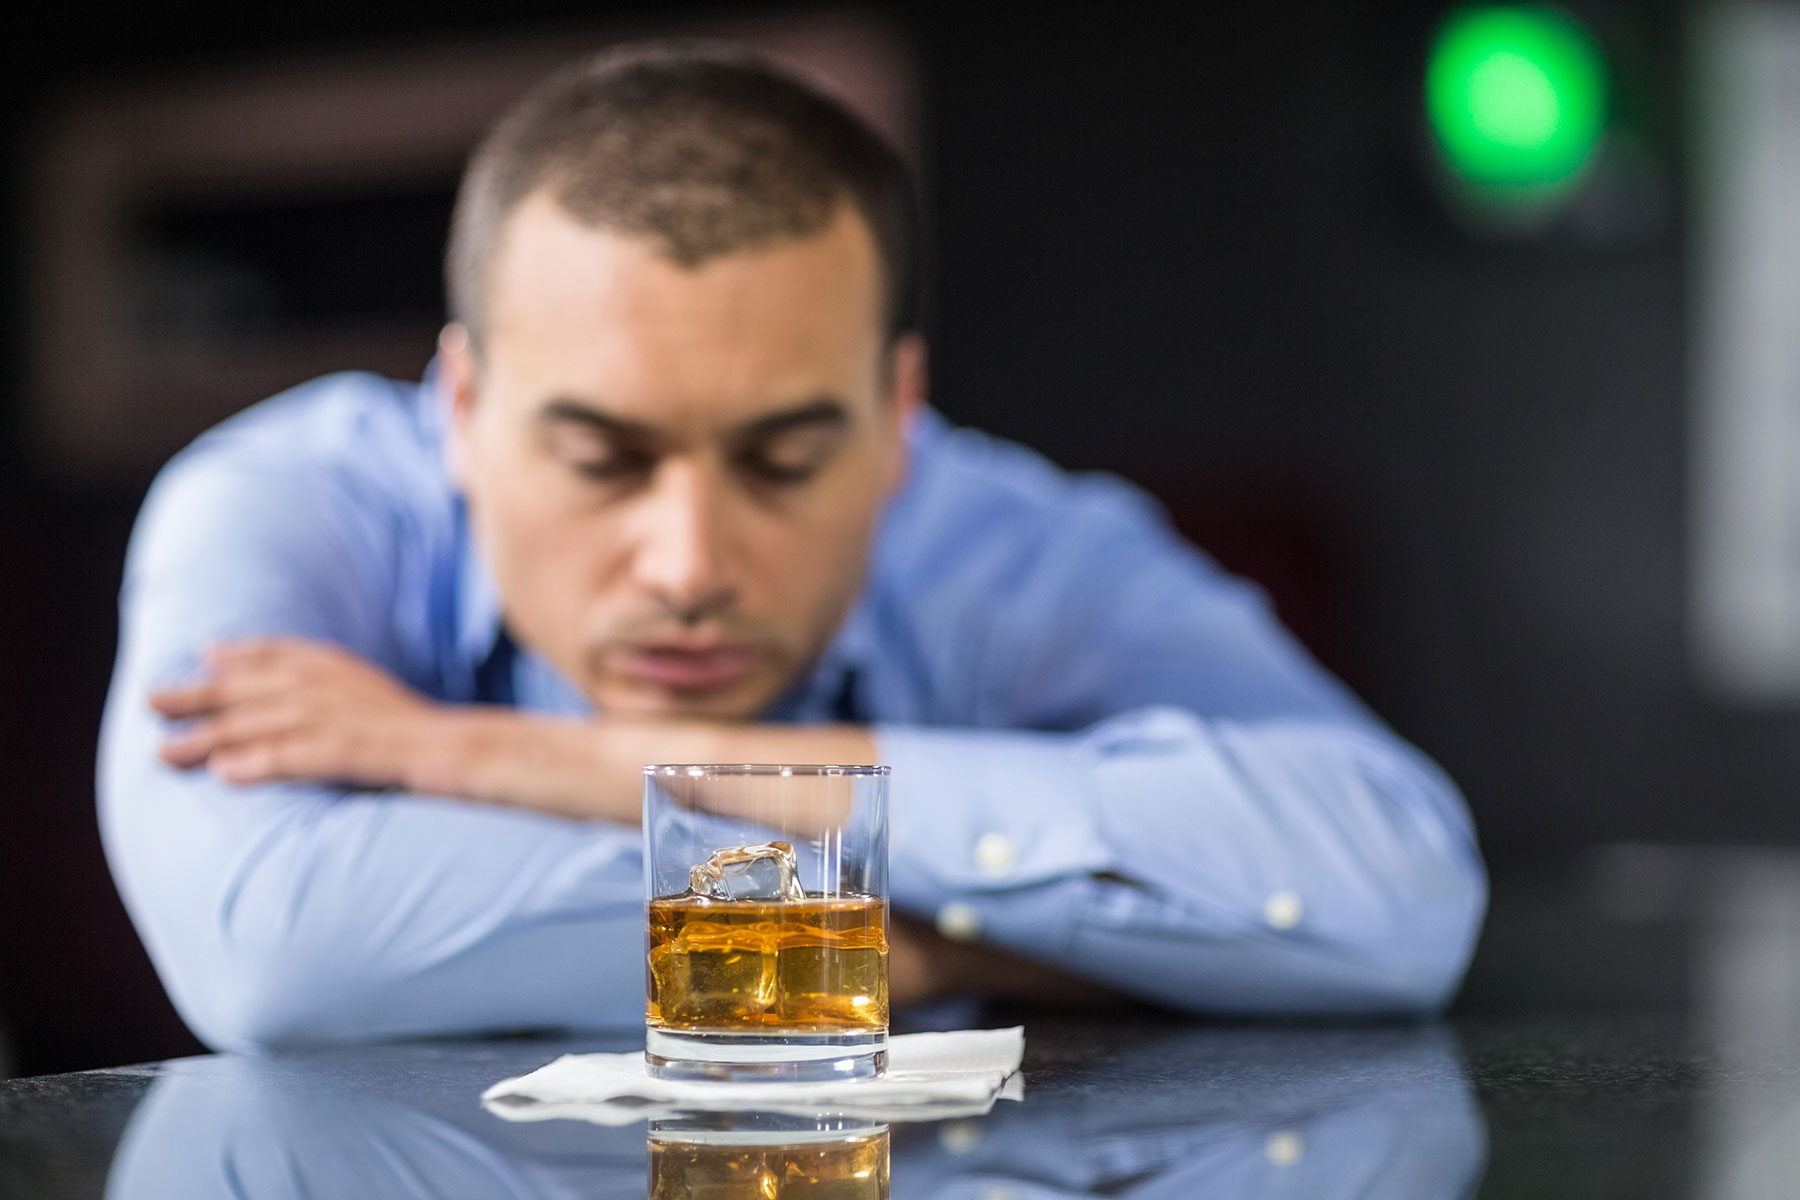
<point>1107,754</point>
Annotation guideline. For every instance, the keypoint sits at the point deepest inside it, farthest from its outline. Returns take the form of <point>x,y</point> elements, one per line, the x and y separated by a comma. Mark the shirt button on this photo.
<point>1283,910</point>
<point>1284,1148</point>
<point>995,854</point>
<point>959,922</point>
<point>960,1137</point>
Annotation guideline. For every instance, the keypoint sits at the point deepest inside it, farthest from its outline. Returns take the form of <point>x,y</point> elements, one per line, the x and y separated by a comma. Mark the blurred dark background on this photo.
<point>1192,245</point>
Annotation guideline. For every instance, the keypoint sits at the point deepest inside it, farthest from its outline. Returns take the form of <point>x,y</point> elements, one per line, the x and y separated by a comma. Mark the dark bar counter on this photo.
<point>1635,1033</point>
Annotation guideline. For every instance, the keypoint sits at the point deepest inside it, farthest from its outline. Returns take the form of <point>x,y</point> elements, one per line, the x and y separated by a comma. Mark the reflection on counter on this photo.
<point>741,1156</point>
<point>1225,1112</point>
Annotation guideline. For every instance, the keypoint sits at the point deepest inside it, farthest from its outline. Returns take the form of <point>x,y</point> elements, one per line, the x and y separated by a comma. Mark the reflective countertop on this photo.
<point>1144,1107</point>
<point>1634,1034</point>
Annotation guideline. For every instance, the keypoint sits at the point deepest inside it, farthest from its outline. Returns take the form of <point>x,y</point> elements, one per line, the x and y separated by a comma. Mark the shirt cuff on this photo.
<point>986,811</point>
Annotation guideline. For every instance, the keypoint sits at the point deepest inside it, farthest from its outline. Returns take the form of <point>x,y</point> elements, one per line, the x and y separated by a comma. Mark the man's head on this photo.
<point>680,365</point>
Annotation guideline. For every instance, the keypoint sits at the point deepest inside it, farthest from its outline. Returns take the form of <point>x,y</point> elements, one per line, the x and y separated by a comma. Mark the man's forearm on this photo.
<point>593,769</point>
<point>293,710</point>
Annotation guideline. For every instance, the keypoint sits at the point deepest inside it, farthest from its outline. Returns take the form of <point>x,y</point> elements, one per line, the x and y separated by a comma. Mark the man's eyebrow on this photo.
<point>827,412</point>
<point>820,412</point>
<point>577,413</point>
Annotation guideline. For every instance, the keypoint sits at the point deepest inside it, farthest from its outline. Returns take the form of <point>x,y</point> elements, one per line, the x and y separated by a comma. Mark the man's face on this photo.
<point>675,474</point>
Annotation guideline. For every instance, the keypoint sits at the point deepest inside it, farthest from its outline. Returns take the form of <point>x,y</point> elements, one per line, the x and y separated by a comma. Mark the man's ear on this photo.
<point>457,387</point>
<point>908,386</point>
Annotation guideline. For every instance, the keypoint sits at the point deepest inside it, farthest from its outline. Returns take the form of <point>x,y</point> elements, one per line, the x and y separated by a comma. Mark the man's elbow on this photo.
<point>1426,949</point>
<point>1415,906</point>
<point>1403,956</point>
<point>255,1002</point>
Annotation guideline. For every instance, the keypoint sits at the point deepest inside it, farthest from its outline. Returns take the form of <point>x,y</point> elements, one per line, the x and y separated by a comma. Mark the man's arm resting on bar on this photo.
<point>1213,867</point>
<point>291,912</point>
<point>1215,823</point>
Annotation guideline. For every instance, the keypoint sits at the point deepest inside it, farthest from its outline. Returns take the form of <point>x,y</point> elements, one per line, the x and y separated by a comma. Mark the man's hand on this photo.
<point>292,709</point>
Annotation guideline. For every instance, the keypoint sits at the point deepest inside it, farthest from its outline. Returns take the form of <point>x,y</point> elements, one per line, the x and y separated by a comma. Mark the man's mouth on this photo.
<point>687,669</point>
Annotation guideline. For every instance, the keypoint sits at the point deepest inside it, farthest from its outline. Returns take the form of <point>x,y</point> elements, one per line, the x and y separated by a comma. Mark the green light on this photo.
<point>1516,97</point>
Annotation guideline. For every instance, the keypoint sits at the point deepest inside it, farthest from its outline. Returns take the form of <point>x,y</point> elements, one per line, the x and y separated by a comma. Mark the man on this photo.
<point>393,655</point>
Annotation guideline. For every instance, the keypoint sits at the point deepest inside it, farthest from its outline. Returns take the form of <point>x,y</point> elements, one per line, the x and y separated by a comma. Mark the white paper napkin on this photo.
<point>930,1076</point>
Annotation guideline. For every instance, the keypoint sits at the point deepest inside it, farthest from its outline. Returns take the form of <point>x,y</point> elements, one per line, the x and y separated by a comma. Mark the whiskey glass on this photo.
<point>766,951</point>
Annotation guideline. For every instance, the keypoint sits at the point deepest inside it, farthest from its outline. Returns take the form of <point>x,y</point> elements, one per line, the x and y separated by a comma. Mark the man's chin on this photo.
<point>654,701</point>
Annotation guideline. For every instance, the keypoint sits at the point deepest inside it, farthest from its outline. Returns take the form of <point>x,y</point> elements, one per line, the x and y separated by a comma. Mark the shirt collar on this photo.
<point>843,664</point>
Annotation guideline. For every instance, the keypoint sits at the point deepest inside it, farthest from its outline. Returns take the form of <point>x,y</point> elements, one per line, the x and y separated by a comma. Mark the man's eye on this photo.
<point>597,457</point>
<point>612,468</point>
<point>790,459</point>
<point>766,468</point>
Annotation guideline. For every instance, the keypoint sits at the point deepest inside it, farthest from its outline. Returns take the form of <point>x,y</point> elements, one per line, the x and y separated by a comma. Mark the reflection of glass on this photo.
<point>766,934</point>
<point>747,1157</point>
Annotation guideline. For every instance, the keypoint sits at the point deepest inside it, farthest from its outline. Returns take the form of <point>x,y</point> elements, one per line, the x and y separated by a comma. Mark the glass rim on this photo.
<point>808,770</point>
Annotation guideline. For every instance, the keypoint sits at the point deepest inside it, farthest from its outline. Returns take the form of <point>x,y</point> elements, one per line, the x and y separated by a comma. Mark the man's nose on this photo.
<point>681,558</point>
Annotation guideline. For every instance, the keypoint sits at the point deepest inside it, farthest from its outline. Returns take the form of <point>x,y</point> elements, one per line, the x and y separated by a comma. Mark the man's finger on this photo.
<point>231,683</point>
<point>257,762</point>
<point>231,727</point>
<point>191,748</point>
<point>298,755</point>
<point>254,652</point>
<point>256,719</point>
<point>191,700</point>
<point>240,652</point>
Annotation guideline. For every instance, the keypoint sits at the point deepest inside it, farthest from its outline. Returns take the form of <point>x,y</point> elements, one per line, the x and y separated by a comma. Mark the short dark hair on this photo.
<point>704,147</point>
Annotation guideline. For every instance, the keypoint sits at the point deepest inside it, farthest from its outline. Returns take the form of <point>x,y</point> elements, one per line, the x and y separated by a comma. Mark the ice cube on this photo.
<point>718,976</point>
<point>768,871</point>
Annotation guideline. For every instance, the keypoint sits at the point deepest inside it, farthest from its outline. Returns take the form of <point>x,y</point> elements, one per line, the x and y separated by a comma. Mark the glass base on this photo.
<point>764,1057</point>
<point>760,1129</point>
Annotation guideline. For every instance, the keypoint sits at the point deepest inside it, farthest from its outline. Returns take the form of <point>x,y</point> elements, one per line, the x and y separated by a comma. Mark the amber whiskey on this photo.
<point>853,1168</point>
<point>751,966</point>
